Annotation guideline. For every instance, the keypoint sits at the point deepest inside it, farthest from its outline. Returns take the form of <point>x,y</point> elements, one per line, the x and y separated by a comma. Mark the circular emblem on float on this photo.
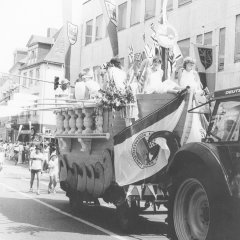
<point>145,152</point>
<point>166,35</point>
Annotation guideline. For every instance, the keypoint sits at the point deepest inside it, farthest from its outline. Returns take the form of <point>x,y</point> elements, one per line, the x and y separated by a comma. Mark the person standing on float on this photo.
<point>187,76</point>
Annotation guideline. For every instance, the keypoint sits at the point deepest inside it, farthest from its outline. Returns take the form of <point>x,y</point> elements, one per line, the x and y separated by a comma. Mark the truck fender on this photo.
<point>205,156</point>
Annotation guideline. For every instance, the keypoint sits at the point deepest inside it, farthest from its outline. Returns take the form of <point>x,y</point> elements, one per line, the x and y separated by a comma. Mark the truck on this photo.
<point>199,183</point>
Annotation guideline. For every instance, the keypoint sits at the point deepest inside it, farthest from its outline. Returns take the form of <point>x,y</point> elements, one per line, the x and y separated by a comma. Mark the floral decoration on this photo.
<point>114,98</point>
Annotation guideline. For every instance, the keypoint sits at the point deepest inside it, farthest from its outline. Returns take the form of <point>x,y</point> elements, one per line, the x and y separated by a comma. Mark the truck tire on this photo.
<point>194,212</point>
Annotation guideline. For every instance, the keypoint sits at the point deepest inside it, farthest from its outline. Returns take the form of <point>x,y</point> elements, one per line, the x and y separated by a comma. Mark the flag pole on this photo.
<point>165,51</point>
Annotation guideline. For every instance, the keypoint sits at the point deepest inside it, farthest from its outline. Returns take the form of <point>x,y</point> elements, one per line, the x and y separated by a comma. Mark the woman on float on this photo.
<point>187,76</point>
<point>116,74</point>
<point>154,82</point>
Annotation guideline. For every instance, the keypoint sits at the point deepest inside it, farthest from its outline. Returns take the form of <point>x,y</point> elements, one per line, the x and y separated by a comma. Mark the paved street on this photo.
<point>26,215</point>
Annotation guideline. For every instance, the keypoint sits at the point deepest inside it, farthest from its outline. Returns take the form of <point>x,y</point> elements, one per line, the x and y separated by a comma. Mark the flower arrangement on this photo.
<point>114,98</point>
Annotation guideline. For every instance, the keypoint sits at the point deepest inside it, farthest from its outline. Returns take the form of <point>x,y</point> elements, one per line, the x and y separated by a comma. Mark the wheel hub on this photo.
<point>191,213</point>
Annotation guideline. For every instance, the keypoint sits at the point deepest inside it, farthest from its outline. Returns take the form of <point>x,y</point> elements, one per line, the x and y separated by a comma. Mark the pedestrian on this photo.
<point>16,151</point>
<point>46,154</point>
<point>53,172</point>
<point>20,153</point>
<point>35,167</point>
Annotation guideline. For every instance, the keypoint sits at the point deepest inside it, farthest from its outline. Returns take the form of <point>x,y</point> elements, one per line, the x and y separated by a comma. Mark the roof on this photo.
<point>227,93</point>
<point>39,39</point>
<point>18,64</point>
<point>56,54</point>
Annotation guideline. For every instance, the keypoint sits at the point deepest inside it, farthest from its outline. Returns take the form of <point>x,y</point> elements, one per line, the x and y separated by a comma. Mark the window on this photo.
<point>135,11</point>
<point>237,40</point>
<point>99,27</point>
<point>170,5</point>
<point>207,38</point>
<point>183,2</point>
<point>184,46</point>
<point>221,52</point>
<point>30,77</point>
<point>122,16</point>
<point>88,35</point>
<point>226,122</point>
<point>199,39</point>
<point>37,75</point>
<point>150,6</point>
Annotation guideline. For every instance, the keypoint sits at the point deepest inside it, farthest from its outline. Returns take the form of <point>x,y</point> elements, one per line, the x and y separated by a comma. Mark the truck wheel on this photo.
<point>126,216</point>
<point>193,211</point>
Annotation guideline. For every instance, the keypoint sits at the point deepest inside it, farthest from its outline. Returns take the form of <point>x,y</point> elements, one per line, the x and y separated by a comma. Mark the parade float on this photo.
<point>165,157</point>
<point>106,151</point>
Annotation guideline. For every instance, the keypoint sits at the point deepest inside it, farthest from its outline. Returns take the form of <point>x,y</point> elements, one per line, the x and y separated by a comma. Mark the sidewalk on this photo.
<point>21,170</point>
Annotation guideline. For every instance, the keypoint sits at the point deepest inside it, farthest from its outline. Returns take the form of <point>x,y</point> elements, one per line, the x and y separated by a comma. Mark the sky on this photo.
<point>19,19</point>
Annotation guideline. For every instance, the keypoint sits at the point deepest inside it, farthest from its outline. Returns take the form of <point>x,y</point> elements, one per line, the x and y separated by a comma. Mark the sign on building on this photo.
<point>72,32</point>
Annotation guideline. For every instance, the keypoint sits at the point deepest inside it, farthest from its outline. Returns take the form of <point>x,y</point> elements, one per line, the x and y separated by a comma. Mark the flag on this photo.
<point>137,154</point>
<point>206,64</point>
<point>19,130</point>
<point>109,13</point>
<point>173,57</point>
<point>130,54</point>
<point>149,51</point>
<point>143,74</point>
<point>137,56</point>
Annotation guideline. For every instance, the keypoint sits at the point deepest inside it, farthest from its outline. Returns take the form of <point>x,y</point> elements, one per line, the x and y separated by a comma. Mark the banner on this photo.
<point>109,13</point>
<point>206,65</point>
<point>137,155</point>
<point>72,32</point>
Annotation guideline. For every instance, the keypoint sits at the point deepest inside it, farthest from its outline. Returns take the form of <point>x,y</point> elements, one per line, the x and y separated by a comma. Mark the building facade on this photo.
<point>33,73</point>
<point>44,62</point>
<point>215,22</point>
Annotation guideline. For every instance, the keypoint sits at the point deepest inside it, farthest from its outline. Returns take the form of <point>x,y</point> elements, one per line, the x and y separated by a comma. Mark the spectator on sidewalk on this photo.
<point>46,154</point>
<point>53,172</point>
<point>20,153</point>
<point>16,151</point>
<point>35,167</point>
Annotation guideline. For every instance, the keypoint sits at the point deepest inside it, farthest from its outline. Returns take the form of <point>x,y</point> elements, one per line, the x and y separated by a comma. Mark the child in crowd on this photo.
<point>53,172</point>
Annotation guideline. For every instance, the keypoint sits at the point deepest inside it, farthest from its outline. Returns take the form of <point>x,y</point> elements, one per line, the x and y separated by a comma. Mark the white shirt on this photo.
<point>53,165</point>
<point>80,90</point>
<point>37,161</point>
<point>154,82</point>
<point>118,76</point>
<point>93,87</point>
<point>169,85</point>
<point>189,79</point>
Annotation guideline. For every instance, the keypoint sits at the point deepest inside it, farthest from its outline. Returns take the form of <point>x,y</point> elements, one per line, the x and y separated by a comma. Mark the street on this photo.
<point>25,215</point>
